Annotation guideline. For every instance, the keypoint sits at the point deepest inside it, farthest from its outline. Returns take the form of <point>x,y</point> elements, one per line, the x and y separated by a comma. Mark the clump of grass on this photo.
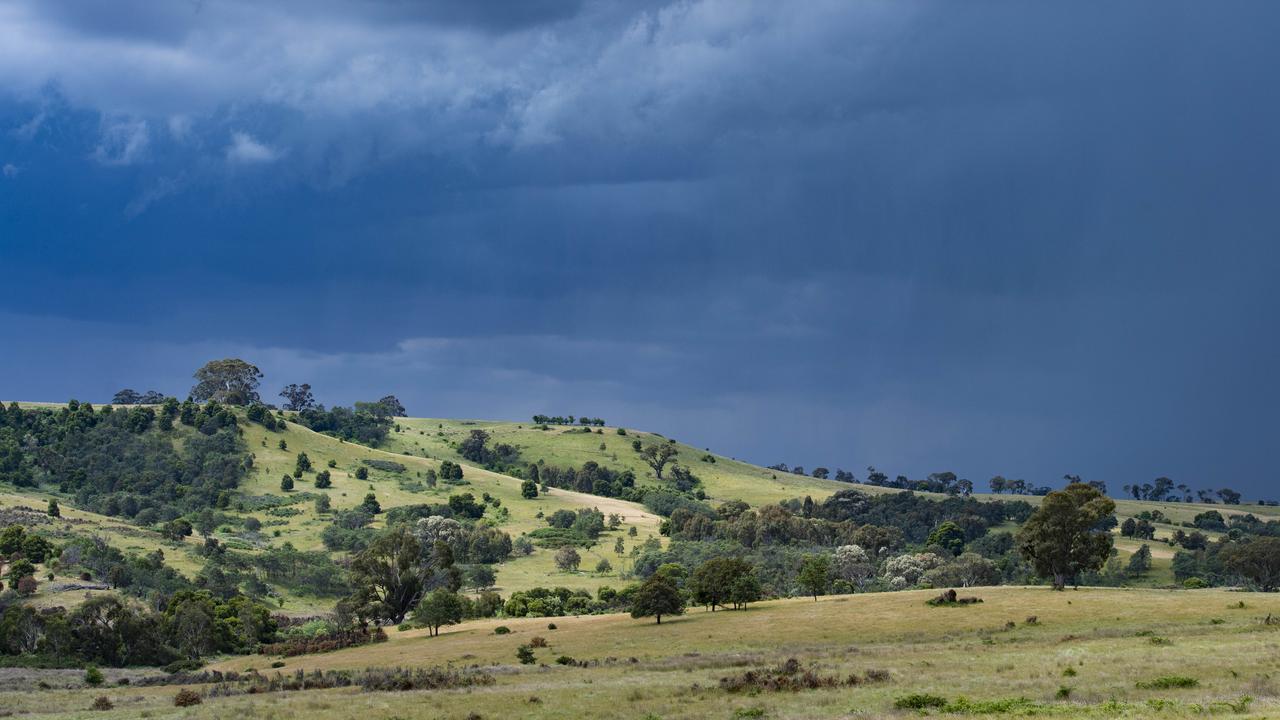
<point>187,698</point>
<point>999,706</point>
<point>920,701</point>
<point>1069,672</point>
<point>1064,692</point>
<point>1169,682</point>
<point>102,702</point>
<point>1157,640</point>
<point>751,712</point>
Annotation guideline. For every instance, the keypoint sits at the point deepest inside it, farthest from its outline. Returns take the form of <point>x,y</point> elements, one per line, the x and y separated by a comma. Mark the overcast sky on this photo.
<point>989,237</point>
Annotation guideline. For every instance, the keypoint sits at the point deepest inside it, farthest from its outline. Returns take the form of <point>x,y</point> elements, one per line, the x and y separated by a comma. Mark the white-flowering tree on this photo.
<point>853,565</point>
<point>905,571</point>
<point>968,570</point>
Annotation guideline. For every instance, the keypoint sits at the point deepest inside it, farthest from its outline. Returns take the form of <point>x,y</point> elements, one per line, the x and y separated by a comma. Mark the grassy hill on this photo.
<point>419,444</point>
<point>562,446</point>
<point>1090,653</point>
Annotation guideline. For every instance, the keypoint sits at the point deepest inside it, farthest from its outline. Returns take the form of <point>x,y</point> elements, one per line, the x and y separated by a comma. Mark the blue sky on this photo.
<point>991,237</point>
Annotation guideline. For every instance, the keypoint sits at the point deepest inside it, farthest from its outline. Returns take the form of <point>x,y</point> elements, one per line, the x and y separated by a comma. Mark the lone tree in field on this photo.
<point>231,382</point>
<point>657,456</point>
<point>568,559</point>
<point>815,575</point>
<point>1258,560</point>
<point>1062,539</point>
<point>658,596</point>
<point>439,607</point>
<point>298,397</point>
<point>528,489</point>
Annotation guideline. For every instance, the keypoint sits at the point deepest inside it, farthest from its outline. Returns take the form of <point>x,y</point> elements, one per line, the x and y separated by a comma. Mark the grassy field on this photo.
<point>1085,656</point>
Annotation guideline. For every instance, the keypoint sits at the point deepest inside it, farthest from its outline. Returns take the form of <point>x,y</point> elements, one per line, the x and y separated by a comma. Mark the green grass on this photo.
<point>962,656</point>
<point>725,479</point>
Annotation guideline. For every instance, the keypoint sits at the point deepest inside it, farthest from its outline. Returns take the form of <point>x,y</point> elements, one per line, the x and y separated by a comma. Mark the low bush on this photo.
<point>102,702</point>
<point>919,701</point>
<point>1169,682</point>
<point>323,643</point>
<point>949,599</point>
<point>187,698</point>
<point>390,466</point>
<point>502,630</point>
<point>789,676</point>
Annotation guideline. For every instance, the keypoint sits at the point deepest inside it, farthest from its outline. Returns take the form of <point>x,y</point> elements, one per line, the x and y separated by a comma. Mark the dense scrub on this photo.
<point>126,462</point>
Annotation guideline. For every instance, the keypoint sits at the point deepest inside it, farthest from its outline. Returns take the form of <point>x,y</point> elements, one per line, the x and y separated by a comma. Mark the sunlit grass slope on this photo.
<point>1084,656</point>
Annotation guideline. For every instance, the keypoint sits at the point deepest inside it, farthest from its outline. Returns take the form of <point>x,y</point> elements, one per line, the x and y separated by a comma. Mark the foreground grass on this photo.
<point>1100,644</point>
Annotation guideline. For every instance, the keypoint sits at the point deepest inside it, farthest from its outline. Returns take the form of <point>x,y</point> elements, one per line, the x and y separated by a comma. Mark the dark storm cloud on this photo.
<point>1005,238</point>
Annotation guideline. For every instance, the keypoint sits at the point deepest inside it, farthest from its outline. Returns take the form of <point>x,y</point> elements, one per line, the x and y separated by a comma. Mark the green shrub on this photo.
<point>502,630</point>
<point>1169,682</point>
<point>93,676</point>
<point>524,654</point>
<point>919,701</point>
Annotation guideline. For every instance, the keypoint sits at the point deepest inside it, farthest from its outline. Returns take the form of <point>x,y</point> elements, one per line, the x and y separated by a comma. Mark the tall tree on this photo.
<point>1061,539</point>
<point>126,397</point>
<point>388,407</point>
<point>1258,560</point>
<point>657,456</point>
<point>298,397</point>
<point>815,575</point>
<point>389,575</point>
<point>439,607</point>
<point>656,597</point>
<point>231,381</point>
<point>713,582</point>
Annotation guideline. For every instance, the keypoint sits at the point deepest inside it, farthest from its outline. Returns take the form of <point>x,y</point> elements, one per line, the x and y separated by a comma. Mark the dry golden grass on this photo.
<point>1109,639</point>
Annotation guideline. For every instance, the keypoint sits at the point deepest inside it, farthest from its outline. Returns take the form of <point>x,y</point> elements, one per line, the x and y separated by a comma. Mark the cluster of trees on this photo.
<point>591,478</point>
<point>181,619</point>
<point>354,425</point>
<point>129,396</point>
<point>109,630</point>
<point>566,420</point>
<point>822,473</point>
<point>126,462</point>
<point>1164,490</point>
<point>497,458</point>
<point>1000,485</point>
<point>939,482</point>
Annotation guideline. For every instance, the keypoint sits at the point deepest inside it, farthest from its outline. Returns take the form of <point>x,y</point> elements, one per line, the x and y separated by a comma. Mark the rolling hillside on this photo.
<point>419,444</point>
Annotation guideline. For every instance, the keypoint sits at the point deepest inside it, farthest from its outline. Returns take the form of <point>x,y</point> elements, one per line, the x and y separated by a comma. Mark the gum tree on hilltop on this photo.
<point>1062,539</point>
<point>298,397</point>
<point>657,456</point>
<point>230,381</point>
